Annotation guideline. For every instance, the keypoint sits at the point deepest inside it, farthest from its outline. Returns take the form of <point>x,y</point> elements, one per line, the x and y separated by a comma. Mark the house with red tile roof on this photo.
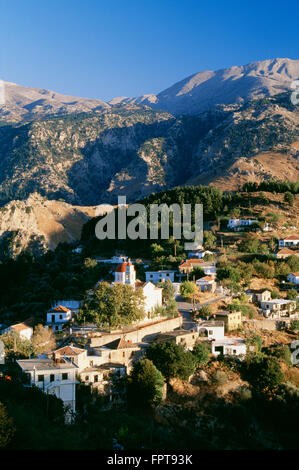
<point>285,253</point>
<point>187,266</point>
<point>291,240</point>
<point>24,329</point>
<point>206,284</point>
<point>58,316</point>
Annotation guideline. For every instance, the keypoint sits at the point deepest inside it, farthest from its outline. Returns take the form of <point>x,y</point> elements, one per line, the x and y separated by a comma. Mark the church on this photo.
<point>125,274</point>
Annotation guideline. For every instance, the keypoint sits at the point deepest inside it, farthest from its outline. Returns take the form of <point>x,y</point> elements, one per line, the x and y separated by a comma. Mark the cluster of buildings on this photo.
<point>242,224</point>
<point>108,355</point>
<point>112,354</point>
<point>272,308</point>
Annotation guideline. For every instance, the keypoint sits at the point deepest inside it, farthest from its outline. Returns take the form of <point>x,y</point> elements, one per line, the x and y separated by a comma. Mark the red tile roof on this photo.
<point>29,323</point>
<point>120,343</point>
<point>190,262</point>
<point>69,351</point>
<point>286,251</point>
<point>60,308</point>
<point>292,237</point>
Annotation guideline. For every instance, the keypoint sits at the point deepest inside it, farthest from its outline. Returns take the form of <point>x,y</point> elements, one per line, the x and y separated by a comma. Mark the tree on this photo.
<point>209,240</point>
<point>256,341</point>
<point>251,244</point>
<point>289,198</point>
<point>168,290</point>
<point>292,294</point>
<point>205,311</point>
<point>293,262</point>
<point>265,373</point>
<point>15,345</point>
<point>113,305</point>
<point>294,325</point>
<point>229,272</point>
<point>197,273</point>
<point>172,307</point>
<point>171,360</point>
<point>275,294</point>
<point>201,353</point>
<point>187,288</point>
<point>42,340</point>
<point>7,428</point>
<point>263,270</point>
<point>145,385</point>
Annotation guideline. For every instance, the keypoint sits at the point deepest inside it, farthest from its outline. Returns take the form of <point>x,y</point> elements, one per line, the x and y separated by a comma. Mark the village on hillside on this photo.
<point>220,319</point>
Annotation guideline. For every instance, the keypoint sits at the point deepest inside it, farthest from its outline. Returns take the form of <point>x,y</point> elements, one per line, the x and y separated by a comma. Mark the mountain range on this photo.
<point>200,92</point>
<point>218,128</point>
<point>233,85</point>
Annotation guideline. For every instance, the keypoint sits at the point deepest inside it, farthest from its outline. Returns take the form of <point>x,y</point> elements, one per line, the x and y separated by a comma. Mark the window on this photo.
<point>87,378</point>
<point>60,317</point>
<point>96,378</point>
<point>124,354</point>
<point>64,376</point>
<point>52,377</point>
<point>40,378</point>
<point>91,363</point>
<point>210,332</point>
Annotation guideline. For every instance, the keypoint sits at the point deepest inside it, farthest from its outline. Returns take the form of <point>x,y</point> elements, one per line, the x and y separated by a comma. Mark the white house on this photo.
<point>278,307</point>
<point>238,224</point>
<point>58,316</point>
<point>292,240</point>
<point>211,329</point>
<point>153,297</point>
<point>206,284</point>
<point>258,295</point>
<point>73,305</point>
<point>159,276</point>
<point>294,278</point>
<point>24,329</point>
<point>229,346</point>
<point>53,376</point>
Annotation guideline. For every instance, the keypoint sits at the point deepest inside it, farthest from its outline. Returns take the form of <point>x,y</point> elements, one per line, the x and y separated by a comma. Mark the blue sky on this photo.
<point>107,48</point>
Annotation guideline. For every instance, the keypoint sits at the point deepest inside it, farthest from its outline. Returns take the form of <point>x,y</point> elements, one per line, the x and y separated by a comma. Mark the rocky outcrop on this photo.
<point>37,224</point>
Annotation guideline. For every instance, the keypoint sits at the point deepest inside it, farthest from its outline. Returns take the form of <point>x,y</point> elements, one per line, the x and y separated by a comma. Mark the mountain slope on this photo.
<point>255,142</point>
<point>233,85</point>
<point>89,159</point>
<point>37,224</point>
<point>24,103</point>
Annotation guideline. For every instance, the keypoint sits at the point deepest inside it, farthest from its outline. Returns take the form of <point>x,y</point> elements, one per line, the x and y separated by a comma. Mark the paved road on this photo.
<point>185,308</point>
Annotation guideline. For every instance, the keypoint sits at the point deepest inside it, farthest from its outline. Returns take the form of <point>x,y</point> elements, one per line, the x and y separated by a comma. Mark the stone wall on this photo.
<point>139,334</point>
